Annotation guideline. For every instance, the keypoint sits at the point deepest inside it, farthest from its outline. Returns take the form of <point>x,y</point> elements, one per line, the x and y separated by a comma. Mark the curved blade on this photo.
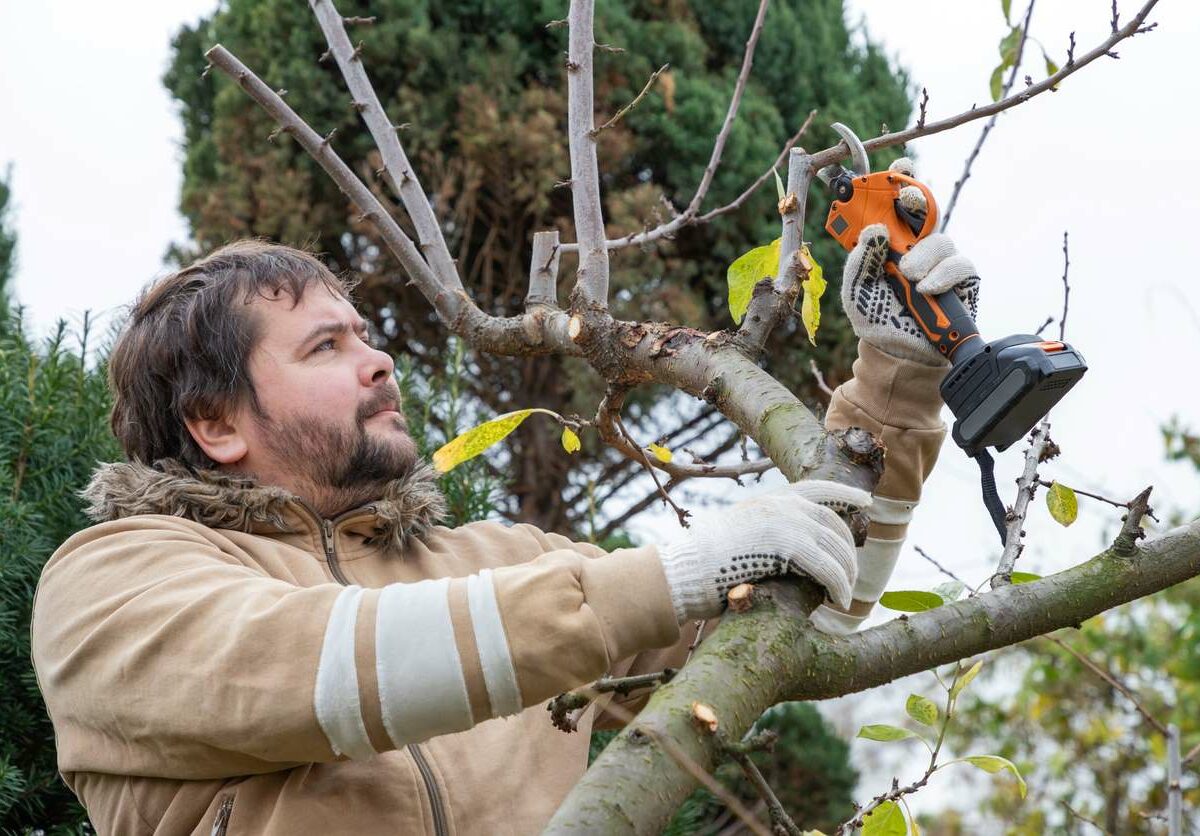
<point>858,154</point>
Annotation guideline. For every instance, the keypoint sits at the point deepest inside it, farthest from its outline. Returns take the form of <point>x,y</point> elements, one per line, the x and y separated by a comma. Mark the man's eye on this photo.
<point>324,345</point>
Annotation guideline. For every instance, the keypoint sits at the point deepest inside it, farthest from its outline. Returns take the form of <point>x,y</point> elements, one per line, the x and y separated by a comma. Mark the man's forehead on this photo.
<point>283,323</point>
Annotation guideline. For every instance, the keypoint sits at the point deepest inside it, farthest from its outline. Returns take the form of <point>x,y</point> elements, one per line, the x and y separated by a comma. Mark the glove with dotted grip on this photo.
<point>874,307</point>
<point>792,529</point>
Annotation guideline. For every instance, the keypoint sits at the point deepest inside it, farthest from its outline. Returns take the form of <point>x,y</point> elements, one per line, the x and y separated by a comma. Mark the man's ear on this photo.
<point>220,439</point>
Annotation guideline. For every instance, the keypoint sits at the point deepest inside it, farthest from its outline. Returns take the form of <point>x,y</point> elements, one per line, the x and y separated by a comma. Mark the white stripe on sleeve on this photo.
<point>891,511</point>
<point>876,560</point>
<point>336,695</point>
<point>421,687</point>
<point>498,673</point>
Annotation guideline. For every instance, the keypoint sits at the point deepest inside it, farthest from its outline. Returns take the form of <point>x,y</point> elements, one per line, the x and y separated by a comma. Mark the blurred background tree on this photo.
<point>480,87</point>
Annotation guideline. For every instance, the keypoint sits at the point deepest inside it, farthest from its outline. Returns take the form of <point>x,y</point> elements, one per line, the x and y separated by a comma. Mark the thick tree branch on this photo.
<point>592,277</point>
<point>398,171</point>
<point>773,654</point>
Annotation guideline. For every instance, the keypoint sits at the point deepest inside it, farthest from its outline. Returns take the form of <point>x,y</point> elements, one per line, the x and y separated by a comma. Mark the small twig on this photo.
<point>816,372</point>
<point>1114,502</point>
<point>1072,811</point>
<point>1112,680</point>
<point>944,570</point>
<point>1131,529</point>
<point>1043,326</point>
<point>1026,488</point>
<point>679,512</point>
<point>1062,323</point>
<point>616,50</point>
<point>359,21</point>
<point>595,132</point>
<point>991,123</point>
<point>924,103</point>
<point>1195,750</point>
<point>781,822</point>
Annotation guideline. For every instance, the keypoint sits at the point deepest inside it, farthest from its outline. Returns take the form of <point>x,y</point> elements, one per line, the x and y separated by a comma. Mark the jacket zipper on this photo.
<point>221,822</point>
<point>418,756</point>
<point>435,796</point>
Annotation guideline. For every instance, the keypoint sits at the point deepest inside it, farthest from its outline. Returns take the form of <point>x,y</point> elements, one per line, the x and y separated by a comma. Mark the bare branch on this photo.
<point>840,151</point>
<point>681,513</point>
<point>781,822</point>
<point>592,276</point>
<point>398,171</point>
<point>944,570</point>
<point>621,113</point>
<point>1026,488</point>
<point>987,128</point>
<point>1174,783</point>
<point>1062,323</point>
<point>1043,326</point>
<point>820,378</point>
<point>448,305</point>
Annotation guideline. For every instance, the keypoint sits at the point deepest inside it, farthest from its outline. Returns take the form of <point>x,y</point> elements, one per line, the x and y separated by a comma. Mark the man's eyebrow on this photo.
<point>332,329</point>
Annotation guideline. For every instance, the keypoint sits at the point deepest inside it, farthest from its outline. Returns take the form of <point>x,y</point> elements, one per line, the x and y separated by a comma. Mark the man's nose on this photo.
<point>377,368</point>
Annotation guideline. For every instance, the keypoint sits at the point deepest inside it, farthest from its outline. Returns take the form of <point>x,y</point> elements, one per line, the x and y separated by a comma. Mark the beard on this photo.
<point>338,467</point>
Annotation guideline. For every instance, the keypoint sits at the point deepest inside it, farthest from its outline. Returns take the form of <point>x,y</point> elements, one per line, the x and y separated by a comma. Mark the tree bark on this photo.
<point>772,653</point>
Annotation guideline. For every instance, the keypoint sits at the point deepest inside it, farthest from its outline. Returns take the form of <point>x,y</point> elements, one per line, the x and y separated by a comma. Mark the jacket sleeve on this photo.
<point>899,402</point>
<point>162,649</point>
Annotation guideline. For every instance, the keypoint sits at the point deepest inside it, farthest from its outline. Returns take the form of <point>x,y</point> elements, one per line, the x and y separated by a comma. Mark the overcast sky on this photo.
<point>94,143</point>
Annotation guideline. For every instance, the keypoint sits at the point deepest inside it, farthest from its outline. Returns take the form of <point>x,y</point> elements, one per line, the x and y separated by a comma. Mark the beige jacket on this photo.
<point>217,659</point>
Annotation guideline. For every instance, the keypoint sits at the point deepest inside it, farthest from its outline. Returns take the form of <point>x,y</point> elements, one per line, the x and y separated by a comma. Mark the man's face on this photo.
<point>328,426</point>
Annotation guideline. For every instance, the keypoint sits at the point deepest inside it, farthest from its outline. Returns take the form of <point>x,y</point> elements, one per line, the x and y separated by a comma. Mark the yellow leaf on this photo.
<point>750,268</point>
<point>814,288</point>
<point>1063,504</point>
<point>661,453</point>
<point>474,441</point>
<point>570,441</point>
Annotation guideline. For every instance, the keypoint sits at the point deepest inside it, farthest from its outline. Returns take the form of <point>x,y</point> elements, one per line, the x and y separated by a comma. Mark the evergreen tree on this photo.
<point>8,239</point>
<point>482,87</point>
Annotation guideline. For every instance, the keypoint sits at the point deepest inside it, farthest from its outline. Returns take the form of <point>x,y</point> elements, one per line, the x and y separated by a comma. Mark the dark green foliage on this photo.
<point>8,239</point>
<point>483,87</point>
<point>809,770</point>
<point>53,429</point>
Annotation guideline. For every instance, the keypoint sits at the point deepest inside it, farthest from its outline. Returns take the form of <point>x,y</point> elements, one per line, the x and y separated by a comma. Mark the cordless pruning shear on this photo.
<point>997,390</point>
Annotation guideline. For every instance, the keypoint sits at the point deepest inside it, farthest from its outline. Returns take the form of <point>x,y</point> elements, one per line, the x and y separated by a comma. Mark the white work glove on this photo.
<point>792,529</point>
<point>874,309</point>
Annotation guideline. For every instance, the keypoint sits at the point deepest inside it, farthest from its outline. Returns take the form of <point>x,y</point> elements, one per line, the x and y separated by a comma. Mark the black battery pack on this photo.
<point>998,391</point>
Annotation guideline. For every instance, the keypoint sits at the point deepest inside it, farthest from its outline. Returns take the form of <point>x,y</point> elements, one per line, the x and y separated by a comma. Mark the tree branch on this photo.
<point>773,654</point>
<point>398,171</point>
<point>592,277</point>
<point>620,114</point>
<point>839,152</point>
<point>1026,488</point>
<point>991,123</point>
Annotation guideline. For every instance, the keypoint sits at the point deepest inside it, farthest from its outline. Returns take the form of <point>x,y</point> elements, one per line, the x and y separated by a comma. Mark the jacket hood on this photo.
<point>408,507</point>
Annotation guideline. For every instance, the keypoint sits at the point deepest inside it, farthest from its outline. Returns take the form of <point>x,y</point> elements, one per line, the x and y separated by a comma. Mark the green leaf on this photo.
<point>474,441</point>
<point>911,600</point>
<point>885,820</point>
<point>884,733</point>
<point>814,288</point>
<point>760,263</point>
<point>570,441</point>
<point>1063,504</point>
<point>1008,47</point>
<point>965,680</point>
<point>949,591</point>
<point>1006,7</point>
<point>921,709</point>
<point>778,183</point>
<point>1024,577</point>
<point>997,83</point>
<point>995,763</point>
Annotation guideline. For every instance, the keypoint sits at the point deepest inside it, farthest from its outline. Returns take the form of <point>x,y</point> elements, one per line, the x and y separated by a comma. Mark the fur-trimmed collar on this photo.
<point>408,507</point>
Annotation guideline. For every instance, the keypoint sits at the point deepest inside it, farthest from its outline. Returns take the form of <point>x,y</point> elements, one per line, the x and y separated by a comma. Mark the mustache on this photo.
<point>386,398</point>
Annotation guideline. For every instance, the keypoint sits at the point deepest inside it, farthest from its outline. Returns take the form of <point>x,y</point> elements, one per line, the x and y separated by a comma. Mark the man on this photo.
<point>267,631</point>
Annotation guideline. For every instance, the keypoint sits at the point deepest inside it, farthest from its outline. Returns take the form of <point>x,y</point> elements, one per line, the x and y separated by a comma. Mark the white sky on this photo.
<point>94,141</point>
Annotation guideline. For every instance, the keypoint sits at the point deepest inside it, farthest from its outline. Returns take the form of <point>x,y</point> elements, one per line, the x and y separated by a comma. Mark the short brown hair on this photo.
<point>184,351</point>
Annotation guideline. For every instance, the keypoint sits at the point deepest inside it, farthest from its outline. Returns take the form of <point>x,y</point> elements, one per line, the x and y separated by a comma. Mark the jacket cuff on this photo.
<point>628,592</point>
<point>894,391</point>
